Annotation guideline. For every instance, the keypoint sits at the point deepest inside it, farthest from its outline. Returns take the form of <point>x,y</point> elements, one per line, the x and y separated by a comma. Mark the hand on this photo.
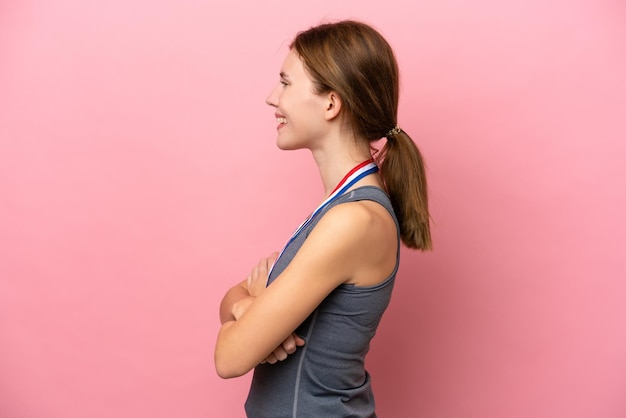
<point>241,306</point>
<point>257,279</point>
<point>287,347</point>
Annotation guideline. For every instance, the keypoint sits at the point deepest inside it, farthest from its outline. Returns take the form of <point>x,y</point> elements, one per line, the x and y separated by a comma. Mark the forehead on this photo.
<point>292,65</point>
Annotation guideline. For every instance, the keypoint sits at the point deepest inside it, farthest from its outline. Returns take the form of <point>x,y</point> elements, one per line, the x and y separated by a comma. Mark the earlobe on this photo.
<point>333,106</point>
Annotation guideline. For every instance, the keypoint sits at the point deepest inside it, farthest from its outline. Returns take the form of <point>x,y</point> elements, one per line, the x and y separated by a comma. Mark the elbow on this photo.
<point>228,369</point>
<point>229,361</point>
<point>226,373</point>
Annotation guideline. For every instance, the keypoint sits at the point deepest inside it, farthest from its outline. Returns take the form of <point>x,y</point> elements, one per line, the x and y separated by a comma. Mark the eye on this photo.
<point>284,83</point>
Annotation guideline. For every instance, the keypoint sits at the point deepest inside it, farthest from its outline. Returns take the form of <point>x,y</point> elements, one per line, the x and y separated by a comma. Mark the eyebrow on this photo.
<point>284,75</point>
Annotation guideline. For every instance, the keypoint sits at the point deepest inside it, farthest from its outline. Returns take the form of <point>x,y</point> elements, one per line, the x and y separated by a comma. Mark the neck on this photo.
<point>335,162</point>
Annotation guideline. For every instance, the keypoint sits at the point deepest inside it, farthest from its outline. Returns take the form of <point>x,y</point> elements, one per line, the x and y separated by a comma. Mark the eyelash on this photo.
<point>284,83</point>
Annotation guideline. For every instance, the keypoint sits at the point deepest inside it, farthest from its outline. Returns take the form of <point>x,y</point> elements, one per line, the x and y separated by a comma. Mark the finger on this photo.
<point>280,353</point>
<point>271,359</point>
<point>254,277</point>
<point>299,341</point>
<point>289,345</point>
<point>262,268</point>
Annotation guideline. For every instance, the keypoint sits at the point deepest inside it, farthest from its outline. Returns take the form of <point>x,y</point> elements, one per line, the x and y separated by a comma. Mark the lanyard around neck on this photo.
<point>357,173</point>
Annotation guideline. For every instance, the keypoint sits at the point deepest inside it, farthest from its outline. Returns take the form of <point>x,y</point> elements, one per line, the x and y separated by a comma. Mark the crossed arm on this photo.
<point>239,297</point>
<point>258,322</point>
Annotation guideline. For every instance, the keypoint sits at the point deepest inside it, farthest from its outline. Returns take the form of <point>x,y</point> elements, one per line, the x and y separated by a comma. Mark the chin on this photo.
<point>287,146</point>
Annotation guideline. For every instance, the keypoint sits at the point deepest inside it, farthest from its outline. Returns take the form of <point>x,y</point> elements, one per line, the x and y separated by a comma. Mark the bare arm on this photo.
<point>329,257</point>
<point>236,294</point>
<point>240,297</point>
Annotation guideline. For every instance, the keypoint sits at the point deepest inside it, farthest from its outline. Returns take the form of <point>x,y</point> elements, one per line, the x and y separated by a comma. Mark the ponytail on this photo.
<point>403,173</point>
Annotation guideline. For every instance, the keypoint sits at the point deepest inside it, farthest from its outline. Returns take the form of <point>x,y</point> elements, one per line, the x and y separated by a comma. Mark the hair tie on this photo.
<point>395,131</point>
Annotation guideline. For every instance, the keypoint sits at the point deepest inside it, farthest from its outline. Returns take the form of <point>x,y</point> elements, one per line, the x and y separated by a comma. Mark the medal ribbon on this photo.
<point>357,173</point>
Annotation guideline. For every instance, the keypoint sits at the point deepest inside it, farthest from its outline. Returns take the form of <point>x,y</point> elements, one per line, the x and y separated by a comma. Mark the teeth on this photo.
<point>281,120</point>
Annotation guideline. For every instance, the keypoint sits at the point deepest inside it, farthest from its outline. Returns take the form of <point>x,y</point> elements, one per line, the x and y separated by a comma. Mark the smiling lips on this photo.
<point>281,120</point>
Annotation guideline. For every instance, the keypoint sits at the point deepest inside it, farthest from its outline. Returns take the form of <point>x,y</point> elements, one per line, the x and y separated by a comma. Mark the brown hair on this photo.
<point>355,61</point>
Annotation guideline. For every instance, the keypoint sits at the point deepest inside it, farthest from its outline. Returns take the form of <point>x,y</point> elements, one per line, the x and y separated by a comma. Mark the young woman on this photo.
<point>303,320</point>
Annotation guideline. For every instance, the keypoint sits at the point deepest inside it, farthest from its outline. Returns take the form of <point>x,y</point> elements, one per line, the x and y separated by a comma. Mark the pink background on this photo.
<point>139,179</point>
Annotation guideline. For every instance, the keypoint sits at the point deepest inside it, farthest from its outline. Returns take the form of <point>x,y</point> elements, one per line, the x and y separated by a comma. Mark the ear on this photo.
<point>333,105</point>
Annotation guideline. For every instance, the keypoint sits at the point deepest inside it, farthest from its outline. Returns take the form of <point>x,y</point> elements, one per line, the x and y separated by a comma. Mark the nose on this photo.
<point>272,98</point>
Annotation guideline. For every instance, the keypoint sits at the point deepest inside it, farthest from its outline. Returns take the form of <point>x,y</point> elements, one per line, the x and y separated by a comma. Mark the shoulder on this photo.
<point>353,236</point>
<point>349,218</point>
<point>351,225</point>
<point>357,219</point>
